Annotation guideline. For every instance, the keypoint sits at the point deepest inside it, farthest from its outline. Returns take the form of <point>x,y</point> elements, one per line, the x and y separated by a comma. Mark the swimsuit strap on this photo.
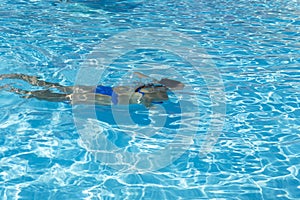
<point>147,85</point>
<point>139,89</point>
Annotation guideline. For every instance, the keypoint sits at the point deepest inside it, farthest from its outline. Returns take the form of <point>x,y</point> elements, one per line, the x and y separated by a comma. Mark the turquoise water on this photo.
<point>254,47</point>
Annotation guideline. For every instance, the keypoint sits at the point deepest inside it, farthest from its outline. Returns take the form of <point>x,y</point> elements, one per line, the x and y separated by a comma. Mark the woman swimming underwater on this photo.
<point>147,94</point>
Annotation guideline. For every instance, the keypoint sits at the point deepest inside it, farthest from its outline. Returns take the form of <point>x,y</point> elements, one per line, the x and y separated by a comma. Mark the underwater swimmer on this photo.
<point>147,94</point>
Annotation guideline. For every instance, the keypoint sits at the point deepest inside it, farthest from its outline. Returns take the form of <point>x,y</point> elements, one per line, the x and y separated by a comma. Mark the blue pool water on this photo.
<point>53,150</point>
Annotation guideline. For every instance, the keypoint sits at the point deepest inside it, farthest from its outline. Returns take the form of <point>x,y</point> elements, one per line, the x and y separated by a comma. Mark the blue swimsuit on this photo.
<point>106,90</point>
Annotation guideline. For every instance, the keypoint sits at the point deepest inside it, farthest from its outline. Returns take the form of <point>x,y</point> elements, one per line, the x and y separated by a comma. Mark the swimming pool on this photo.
<point>52,150</point>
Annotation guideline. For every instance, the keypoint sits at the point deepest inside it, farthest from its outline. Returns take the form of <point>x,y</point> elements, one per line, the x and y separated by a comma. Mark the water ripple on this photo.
<point>254,44</point>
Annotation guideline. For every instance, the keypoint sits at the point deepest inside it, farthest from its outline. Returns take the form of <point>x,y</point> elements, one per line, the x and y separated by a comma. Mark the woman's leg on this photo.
<point>46,95</point>
<point>34,80</point>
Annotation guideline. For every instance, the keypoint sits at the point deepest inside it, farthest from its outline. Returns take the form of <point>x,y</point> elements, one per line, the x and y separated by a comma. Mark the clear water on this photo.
<point>255,45</point>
